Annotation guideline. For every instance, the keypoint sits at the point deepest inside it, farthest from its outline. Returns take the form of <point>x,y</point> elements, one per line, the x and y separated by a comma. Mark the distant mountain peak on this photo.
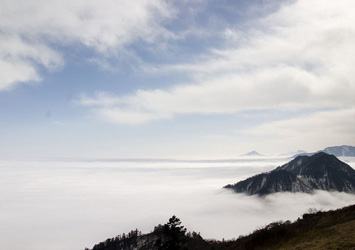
<point>293,153</point>
<point>252,153</point>
<point>344,150</point>
<point>320,171</point>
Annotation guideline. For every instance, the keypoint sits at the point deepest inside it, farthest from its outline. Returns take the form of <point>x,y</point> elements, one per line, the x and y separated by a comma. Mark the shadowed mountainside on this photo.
<point>320,171</point>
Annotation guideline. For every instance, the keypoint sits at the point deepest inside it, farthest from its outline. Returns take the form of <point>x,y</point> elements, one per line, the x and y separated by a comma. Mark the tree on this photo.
<point>173,235</point>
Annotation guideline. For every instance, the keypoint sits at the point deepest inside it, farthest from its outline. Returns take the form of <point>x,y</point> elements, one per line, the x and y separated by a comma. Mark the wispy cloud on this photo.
<point>32,32</point>
<point>322,128</point>
<point>19,59</point>
<point>298,57</point>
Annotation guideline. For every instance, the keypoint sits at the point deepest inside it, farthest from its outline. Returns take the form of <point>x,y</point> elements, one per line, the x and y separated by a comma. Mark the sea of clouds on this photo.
<point>73,204</point>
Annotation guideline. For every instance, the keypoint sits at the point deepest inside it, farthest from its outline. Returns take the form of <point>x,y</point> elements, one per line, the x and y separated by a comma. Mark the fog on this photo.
<point>73,204</point>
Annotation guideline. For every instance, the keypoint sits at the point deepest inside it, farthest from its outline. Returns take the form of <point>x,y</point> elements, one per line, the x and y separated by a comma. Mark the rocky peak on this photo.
<point>320,171</point>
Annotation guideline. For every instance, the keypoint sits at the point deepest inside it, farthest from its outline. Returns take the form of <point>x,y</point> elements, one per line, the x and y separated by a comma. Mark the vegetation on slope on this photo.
<point>315,230</point>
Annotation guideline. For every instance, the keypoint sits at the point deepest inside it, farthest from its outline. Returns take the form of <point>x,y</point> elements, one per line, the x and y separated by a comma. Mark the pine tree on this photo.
<point>173,235</point>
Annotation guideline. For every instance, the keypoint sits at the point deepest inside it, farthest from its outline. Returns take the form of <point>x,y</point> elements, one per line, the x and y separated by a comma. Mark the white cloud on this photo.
<point>29,29</point>
<point>321,128</point>
<point>299,57</point>
<point>17,59</point>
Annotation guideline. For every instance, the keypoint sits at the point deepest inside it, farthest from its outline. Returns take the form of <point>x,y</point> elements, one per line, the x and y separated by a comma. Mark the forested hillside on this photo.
<point>315,230</point>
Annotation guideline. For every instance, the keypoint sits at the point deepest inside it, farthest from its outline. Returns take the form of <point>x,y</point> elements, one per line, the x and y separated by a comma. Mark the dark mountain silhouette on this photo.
<point>320,171</point>
<point>315,230</point>
<point>170,236</point>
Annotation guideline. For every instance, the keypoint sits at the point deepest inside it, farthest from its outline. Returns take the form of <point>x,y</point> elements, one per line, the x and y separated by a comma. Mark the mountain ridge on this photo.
<point>344,150</point>
<point>320,171</point>
<point>338,151</point>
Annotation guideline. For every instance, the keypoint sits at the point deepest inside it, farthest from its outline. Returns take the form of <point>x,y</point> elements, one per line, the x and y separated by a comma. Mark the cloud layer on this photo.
<point>76,204</point>
<point>301,56</point>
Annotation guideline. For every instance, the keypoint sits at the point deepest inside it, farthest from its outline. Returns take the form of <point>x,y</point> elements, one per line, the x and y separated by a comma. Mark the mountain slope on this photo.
<point>323,171</point>
<point>314,231</point>
<point>266,183</point>
<point>303,174</point>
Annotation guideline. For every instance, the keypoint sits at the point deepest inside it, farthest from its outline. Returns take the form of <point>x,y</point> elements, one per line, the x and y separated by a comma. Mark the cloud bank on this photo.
<point>76,204</point>
<point>298,57</point>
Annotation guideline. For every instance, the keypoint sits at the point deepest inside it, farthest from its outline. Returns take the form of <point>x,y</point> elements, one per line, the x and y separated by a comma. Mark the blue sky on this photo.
<point>175,79</point>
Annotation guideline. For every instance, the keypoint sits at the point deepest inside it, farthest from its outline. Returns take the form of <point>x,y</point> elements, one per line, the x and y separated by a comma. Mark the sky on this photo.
<point>175,79</point>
